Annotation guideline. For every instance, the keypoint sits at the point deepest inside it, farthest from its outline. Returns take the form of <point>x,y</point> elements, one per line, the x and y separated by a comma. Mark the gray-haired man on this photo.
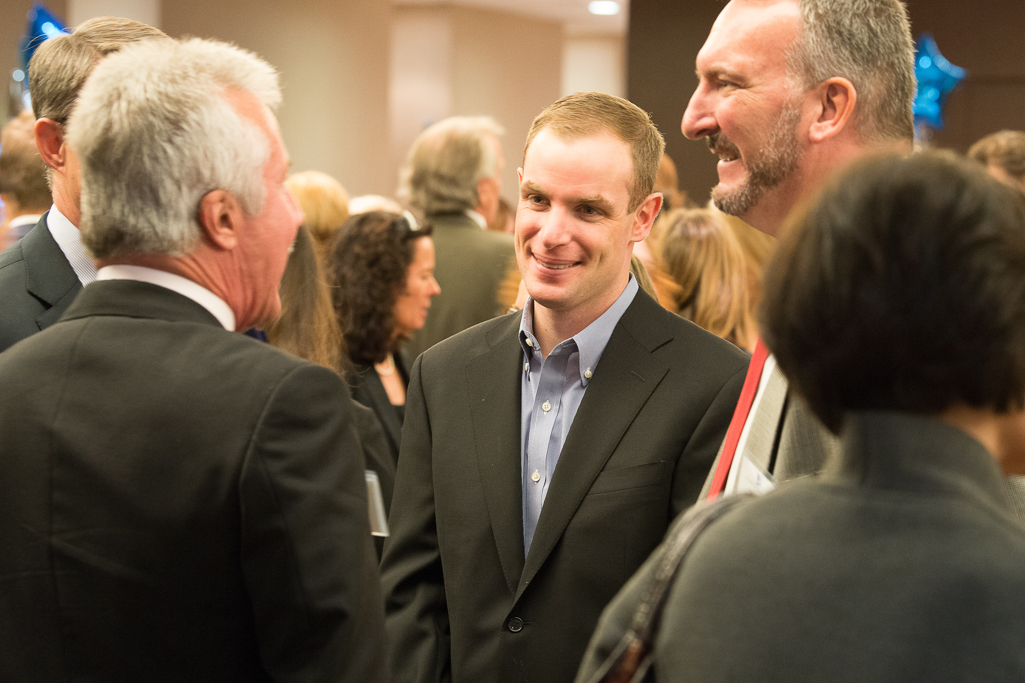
<point>180,502</point>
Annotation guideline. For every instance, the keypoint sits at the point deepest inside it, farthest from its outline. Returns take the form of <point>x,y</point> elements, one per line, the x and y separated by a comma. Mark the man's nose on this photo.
<point>699,118</point>
<point>555,227</point>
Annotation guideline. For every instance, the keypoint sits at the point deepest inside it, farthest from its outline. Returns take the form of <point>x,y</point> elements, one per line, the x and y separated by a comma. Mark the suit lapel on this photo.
<point>48,275</point>
<point>626,376</point>
<point>493,382</point>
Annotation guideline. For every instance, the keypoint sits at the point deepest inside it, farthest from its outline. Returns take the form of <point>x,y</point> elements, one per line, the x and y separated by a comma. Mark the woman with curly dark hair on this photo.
<point>382,276</point>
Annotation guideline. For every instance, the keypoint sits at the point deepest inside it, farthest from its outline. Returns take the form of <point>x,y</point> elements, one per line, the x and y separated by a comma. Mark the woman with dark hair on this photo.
<point>896,306</point>
<point>382,273</point>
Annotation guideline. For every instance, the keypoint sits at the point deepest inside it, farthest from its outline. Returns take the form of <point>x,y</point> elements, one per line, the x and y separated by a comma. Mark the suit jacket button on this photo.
<point>515,624</point>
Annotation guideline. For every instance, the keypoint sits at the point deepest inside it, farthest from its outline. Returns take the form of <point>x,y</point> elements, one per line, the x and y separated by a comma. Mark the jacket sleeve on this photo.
<point>700,454</point>
<point>307,557</point>
<point>411,570</point>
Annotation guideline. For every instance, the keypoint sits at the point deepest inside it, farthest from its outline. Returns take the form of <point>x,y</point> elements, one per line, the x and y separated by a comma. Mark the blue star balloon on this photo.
<point>42,25</point>
<point>936,78</point>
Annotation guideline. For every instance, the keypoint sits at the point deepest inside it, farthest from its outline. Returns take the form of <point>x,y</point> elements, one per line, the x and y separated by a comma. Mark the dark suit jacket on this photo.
<point>470,264</point>
<point>37,284</point>
<point>900,563</point>
<point>368,390</point>
<point>461,599</point>
<point>179,503</point>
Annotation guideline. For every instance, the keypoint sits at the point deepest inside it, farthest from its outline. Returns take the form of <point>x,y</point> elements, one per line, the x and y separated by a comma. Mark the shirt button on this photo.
<point>546,406</point>
<point>526,367</point>
<point>587,373</point>
<point>530,343</point>
<point>515,624</point>
<point>536,477</point>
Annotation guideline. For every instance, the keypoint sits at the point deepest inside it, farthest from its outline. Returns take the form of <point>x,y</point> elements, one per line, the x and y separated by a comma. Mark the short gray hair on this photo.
<point>154,135</point>
<point>447,161</point>
<point>869,43</point>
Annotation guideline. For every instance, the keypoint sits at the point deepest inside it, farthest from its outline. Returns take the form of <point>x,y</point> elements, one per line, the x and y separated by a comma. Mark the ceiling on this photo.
<point>572,14</point>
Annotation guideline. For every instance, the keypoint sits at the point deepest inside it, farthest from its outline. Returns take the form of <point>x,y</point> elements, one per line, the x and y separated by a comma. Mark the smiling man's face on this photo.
<point>574,230</point>
<point>747,105</point>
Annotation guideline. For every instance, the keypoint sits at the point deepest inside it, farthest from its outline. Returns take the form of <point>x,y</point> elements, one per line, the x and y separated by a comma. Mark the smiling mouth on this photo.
<point>723,148</point>
<point>554,266</point>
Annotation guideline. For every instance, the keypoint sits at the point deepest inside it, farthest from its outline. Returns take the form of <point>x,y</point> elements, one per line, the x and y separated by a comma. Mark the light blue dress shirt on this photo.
<point>551,391</point>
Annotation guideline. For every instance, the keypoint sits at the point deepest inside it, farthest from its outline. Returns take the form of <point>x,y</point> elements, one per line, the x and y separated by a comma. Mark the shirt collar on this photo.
<point>478,219</point>
<point>590,341</point>
<point>176,283</point>
<point>69,239</point>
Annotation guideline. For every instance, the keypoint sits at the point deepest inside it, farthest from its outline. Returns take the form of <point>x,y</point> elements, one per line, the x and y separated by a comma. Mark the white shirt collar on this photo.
<point>176,283</point>
<point>69,239</point>
<point>478,219</point>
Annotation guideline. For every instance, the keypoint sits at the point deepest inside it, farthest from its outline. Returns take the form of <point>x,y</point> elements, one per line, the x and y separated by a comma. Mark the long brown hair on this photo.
<point>307,325</point>
<point>701,254</point>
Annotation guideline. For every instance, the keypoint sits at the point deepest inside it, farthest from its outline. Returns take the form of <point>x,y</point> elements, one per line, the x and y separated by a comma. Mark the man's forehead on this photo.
<point>745,25</point>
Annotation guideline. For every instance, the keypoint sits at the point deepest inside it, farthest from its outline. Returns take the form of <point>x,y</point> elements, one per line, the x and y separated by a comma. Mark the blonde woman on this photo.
<point>703,257</point>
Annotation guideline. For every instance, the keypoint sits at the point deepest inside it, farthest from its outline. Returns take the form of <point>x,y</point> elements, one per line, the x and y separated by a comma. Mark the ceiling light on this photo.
<point>606,7</point>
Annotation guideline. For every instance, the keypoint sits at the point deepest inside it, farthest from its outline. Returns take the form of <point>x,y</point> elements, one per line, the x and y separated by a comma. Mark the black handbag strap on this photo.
<point>631,658</point>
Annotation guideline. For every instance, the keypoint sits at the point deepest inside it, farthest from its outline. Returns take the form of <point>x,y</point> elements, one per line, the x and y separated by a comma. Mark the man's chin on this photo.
<point>735,201</point>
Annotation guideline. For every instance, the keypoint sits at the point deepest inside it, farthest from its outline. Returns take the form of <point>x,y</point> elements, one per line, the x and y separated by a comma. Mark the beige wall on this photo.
<point>450,61</point>
<point>594,64</point>
<point>333,59</point>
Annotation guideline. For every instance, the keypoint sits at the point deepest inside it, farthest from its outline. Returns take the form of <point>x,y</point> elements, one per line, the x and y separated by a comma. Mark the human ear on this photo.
<point>646,214</point>
<point>220,218</point>
<point>50,142</point>
<point>835,99</point>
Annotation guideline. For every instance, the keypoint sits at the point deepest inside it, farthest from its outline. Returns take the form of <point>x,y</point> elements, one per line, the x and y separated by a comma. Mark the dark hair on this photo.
<point>902,288</point>
<point>368,259</point>
<point>307,325</point>
<point>22,171</point>
<point>1005,150</point>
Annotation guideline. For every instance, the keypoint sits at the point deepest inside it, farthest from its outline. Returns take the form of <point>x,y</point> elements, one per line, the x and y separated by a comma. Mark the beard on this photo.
<point>775,163</point>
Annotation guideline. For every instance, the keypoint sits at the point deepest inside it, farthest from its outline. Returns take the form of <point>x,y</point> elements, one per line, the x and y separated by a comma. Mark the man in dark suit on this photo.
<point>454,177</point>
<point>545,453</point>
<point>42,274</point>
<point>179,502</point>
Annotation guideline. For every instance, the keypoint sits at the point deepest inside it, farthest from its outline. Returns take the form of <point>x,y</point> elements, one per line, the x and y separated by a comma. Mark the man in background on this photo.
<point>23,186</point>
<point>179,502</point>
<point>1003,155</point>
<point>42,274</point>
<point>545,453</point>
<point>453,175</point>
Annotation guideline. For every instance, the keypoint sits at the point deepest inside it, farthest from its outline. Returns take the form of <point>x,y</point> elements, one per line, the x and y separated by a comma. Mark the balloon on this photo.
<point>936,78</point>
<point>42,25</point>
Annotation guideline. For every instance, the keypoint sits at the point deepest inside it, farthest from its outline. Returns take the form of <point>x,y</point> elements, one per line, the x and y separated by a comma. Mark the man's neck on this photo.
<point>552,327</point>
<point>818,166</point>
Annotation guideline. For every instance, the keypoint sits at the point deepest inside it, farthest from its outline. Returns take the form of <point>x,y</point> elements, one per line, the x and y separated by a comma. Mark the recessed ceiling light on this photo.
<point>607,7</point>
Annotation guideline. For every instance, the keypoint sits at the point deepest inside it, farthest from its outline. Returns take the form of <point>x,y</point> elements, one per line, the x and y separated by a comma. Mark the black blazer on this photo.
<point>901,562</point>
<point>37,284</point>
<point>178,502</point>
<point>461,598</point>
<point>368,390</point>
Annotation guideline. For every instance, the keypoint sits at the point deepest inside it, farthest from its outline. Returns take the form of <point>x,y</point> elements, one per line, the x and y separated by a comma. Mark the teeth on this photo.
<point>553,266</point>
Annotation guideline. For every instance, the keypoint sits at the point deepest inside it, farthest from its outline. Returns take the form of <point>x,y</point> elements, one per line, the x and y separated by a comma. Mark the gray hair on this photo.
<point>869,43</point>
<point>447,161</point>
<point>155,135</point>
